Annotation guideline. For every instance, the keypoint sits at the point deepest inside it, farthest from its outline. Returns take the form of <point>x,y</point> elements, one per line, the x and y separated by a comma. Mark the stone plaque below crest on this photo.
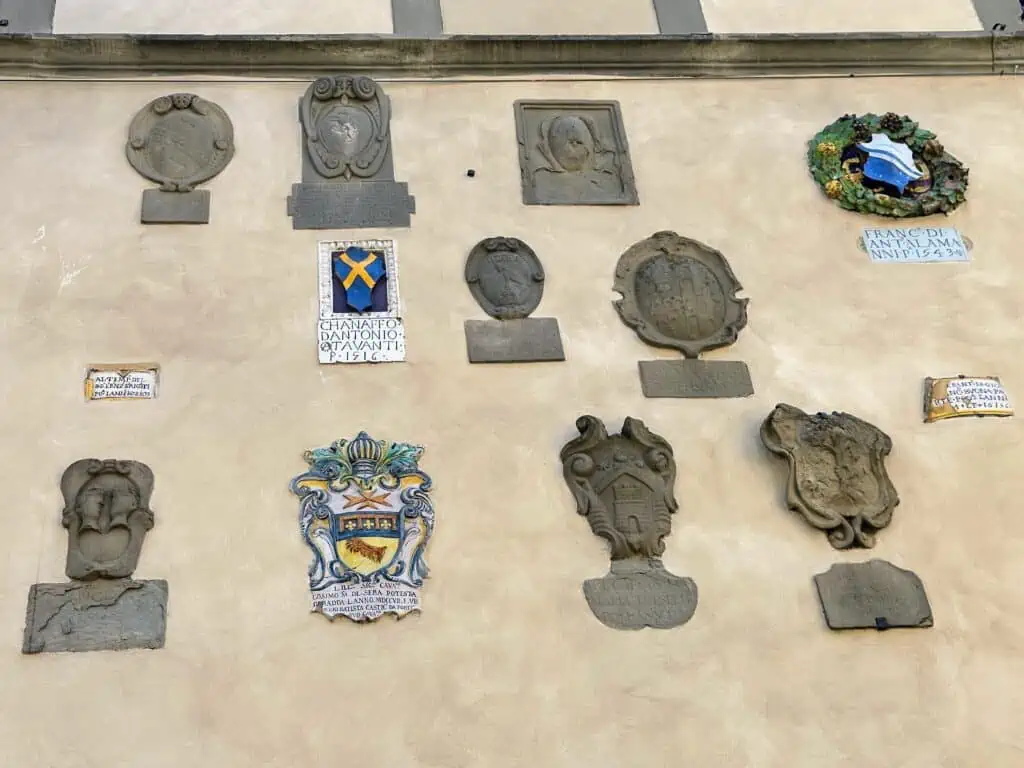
<point>872,595</point>
<point>532,339</point>
<point>637,594</point>
<point>159,207</point>
<point>356,205</point>
<point>97,615</point>
<point>695,378</point>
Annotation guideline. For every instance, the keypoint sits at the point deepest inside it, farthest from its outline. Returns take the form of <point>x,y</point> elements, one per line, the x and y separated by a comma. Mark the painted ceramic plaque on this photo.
<point>179,141</point>
<point>624,485</point>
<point>366,514</point>
<point>507,280</point>
<point>837,478</point>
<point>886,165</point>
<point>965,396</point>
<point>921,245</point>
<point>681,294</point>
<point>122,381</point>
<point>872,595</point>
<point>360,312</point>
<point>574,153</point>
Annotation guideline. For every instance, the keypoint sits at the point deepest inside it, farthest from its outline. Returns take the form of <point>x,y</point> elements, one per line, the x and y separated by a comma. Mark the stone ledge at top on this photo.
<point>381,56</point>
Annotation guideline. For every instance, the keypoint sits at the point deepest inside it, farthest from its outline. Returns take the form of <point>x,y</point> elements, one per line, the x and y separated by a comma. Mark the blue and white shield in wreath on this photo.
<point>889,162</point>
<point>366,515</point>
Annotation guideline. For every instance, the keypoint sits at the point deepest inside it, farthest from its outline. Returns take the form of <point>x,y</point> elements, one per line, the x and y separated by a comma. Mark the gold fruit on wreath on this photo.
<point>833,188</point>
<point>827,148</point>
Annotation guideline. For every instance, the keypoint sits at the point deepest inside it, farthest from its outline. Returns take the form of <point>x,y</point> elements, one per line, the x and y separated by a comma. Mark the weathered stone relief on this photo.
<point>507,280</point>
<point>837,477</point>
<point>623,485</point>
<point>574,153</point>
<point>366,514</point>
<point>872,595</point>
<point>681,294</point>
<point>348,181</point>
<point>107,515</point>
<point>179,141</point>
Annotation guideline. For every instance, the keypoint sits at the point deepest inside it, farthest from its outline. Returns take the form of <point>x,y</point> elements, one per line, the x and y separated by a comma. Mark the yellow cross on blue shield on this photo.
<point>358,270</point>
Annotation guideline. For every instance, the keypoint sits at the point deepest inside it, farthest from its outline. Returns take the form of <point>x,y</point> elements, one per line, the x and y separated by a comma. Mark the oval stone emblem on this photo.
<point>505,277</point>
<point>680,297</point>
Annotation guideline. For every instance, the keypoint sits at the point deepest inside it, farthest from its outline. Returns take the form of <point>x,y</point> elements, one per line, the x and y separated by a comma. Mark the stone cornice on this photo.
<point>711,55</point>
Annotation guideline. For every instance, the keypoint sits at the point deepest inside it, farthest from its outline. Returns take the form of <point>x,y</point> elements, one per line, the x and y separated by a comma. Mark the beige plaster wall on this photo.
<point>838,16</point>
<point>542,17</point>
<point>506,666</point>
<point>204,17</point>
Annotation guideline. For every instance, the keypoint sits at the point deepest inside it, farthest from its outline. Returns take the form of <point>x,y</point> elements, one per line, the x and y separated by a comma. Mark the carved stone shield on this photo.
<point>505,277</point>
<point>679,293</point>
<point>837,477</point>
<point>623,485</point>
<point>180,141</point>
<point>346,122</point>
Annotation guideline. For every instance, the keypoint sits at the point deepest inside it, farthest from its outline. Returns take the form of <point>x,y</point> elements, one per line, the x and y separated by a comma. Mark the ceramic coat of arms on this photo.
<point>366,514</point>
<point>886,165</point>
<point>623,485</point>
<point>507,280</point>
<point>837,477</point>
<point>179,141</point>
<point>681,294</point>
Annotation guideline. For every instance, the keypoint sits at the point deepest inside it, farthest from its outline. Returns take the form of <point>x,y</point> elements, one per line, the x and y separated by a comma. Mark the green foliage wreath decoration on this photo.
<point>832,156</point>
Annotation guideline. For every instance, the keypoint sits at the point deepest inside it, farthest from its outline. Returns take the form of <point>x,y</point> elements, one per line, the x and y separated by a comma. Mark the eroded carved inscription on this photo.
<point>623,485</point>
<point>574,153</point>
<point>837,477</point>
<point>872,595</point>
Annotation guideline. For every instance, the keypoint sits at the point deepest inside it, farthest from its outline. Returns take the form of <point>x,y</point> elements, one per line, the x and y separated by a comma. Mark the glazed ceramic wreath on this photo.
<point>886,165</point>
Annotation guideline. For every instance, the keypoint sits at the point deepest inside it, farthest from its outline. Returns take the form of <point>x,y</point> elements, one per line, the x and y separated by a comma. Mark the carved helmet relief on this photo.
<point>107,514</point>
<point>346,123</point>
<point>837,476</point>
<point>505,277</point>
<point>679,293</point>
<point>180,141</point>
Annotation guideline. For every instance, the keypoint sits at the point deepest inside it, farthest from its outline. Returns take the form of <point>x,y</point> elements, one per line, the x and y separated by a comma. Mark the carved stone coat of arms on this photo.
<point>365,513</point>
<point>623,485</point>
<point>837,477</point>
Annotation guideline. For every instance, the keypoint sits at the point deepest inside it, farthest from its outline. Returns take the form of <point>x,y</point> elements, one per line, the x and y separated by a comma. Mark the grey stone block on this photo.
<point>680,17</point>
<point>695,378</point>
<point>159,207</point>
<point>27,16</point>
<point>416,18</point>
<point>529,340</point>
<point>641,593</point>
<point>100,615</point>
<point>872,595</point>
<point>352,205</point>
<point>574,153</point>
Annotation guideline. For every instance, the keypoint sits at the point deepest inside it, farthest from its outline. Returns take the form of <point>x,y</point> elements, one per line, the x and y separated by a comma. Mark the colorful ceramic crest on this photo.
<point>366,514</point>
<point>886,165</point>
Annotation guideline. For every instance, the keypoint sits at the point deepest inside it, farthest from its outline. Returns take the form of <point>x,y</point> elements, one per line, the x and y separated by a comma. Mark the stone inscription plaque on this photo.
<point>914,244</point>
<point>623,484</point>
<point>360,309</point>
<point>956,396</point>
<point>127,381</point>
<point>530,340</point>
<point>96,616</point>
<point>695,378</point>
<point>159,207</point>
<point>574,153</point>
<point>636,595</point>
<point>872,595</point>
<point>356,205</point>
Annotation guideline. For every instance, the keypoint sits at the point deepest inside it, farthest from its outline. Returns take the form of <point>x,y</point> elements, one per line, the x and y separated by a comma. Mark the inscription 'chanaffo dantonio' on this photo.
<point>837,478</point>
<point>623,485</point>
<point>360,310</point>
<point>107,514</point>
<point>681,294</point>
<point>366,514</point>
